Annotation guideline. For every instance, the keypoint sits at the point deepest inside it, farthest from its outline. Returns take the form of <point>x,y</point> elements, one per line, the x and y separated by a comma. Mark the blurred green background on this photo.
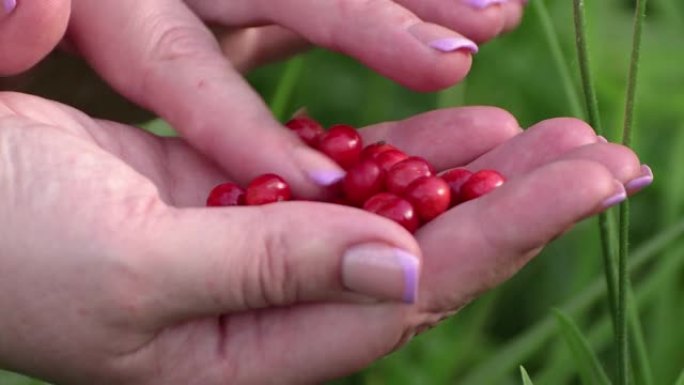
<point>513,325</point>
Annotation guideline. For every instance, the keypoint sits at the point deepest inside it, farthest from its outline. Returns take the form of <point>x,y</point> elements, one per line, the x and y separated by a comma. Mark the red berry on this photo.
<point>395,208</point>
<point>362,181</point>
<point>343,144</point>
<point>308,130</point>
<point>268,188</point>
<point>387,159</point>
<point>455,179</point>
<point>373,150</point>
<point>429,195</point>
<point>226,194</point>
<point>481,183</point>
<point>405,172</point>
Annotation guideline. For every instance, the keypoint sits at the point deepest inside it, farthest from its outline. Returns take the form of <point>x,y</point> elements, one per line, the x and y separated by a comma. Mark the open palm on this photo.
<point>121,276</point>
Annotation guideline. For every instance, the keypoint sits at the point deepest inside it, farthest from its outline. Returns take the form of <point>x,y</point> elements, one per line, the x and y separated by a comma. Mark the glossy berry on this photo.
<point>430,197</point>
<point>373,150</point>
<point>387,159</point>
<point>342,144</point>
<point>455,179</point>
<point>394,208</point>
<point>226,194</point>
<point>481,183</point>
<point>308,130</point>
<point>402,174</point>
<point>363,180</point>
<point>268,188</point>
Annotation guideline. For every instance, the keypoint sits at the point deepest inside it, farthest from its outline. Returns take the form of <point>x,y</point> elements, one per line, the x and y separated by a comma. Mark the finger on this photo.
<point>249,48</point>
<point>480,20</point>
<point>216,261</point>
<point>622,162</point>
<point>449,137</point>
<point>538,145</point>
<point>381,34</point>
<point>29,30</point>
<point>175,68</point>
<point>508,227</point>
<point>454,137</point>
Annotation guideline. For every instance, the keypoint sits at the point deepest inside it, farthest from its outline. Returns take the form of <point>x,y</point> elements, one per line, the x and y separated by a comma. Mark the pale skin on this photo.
<point>116,274</point>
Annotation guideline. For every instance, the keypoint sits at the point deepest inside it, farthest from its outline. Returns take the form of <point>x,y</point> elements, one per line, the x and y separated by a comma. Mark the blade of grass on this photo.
<point>643,368</point>
<point>509,356</point>
<point>590,368</point>
<point>288,81</point>
<point>558,58</point>
<point>525,377</point>
<point>680,380</point>
<point>623,251</point>
<point>605,228</point>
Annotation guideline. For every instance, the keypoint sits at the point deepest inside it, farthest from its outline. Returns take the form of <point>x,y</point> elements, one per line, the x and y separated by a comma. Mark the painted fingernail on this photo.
<point>640,182</point>
<point>382,272</point>
<point>326,178</point>
<point>452,44</point>
<point>9,5</point>
<point>602,139</point>
<point>618,197</point>
<point>481,4</point>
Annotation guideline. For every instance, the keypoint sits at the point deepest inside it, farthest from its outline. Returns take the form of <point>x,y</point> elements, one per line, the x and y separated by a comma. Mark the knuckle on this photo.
<point>170,40</point>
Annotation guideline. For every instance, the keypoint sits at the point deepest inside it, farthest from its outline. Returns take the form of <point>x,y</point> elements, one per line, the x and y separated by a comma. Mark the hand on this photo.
<point>161,55</point>
<point>115,274</point>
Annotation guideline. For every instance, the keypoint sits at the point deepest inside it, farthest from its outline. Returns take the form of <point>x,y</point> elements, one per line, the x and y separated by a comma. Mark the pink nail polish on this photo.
<point>452,44</point>
<point>381,272</point>
<point>9,5</point>
<point>618,197</point>
<point>643,180</point>
<point>326,178</point>
<point>481,4</point>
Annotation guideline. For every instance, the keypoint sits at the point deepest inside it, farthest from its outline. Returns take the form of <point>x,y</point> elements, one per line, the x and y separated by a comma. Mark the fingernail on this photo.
<point>602,139</point>
<point>481,4</point>
<point>618,197</point>
<point>452,44</point>
<point>326,178</point>
<point>9,5</point>
<point>643,180</point>
<point>381,272</point>
<point>441,39</point>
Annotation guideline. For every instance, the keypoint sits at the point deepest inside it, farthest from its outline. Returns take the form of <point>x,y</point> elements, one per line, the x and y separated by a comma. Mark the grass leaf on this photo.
<point>590,368</point>
<point>525,377</point>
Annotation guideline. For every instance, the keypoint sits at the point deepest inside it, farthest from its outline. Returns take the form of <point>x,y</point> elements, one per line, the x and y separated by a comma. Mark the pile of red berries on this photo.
<point>380,178</point>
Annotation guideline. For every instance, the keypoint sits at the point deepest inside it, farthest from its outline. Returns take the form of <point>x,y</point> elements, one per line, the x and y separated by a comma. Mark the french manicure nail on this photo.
<point>326,178</point>
<point>9,5</point>
<point>618,197</point>
<point>643,180</point>
<point>381,272</point>
<point>452,44</point>
<point>481,4</point>
<point>602,139</point>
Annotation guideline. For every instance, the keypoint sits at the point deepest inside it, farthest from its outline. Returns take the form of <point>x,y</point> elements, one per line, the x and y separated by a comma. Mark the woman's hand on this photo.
<point>114,272</point>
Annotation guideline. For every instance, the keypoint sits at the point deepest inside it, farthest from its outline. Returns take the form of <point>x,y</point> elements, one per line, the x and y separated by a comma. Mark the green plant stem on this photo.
<point>520,349</point>
<point>641,356</point>
<point>623,276</point>
<point>605,228</point>
<point>288,81</point>
<point>558,58</point>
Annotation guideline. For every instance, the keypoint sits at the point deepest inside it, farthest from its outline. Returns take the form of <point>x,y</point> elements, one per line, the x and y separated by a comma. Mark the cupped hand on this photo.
<point>115,273</point>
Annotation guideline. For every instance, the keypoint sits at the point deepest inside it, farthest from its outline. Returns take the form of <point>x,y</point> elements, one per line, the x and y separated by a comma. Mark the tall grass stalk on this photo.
<point>623,277</point>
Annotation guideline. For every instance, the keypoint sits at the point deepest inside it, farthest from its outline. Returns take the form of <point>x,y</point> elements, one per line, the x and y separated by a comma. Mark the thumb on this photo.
<point>29,30</point>
<point>216,261</point>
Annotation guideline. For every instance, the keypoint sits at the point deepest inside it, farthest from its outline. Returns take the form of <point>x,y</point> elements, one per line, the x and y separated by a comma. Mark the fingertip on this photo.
<point>513,14</point>
<point>29,30</point>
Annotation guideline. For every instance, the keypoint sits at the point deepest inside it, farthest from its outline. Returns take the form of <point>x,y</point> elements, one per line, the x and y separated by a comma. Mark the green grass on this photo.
<point>513,325</point>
